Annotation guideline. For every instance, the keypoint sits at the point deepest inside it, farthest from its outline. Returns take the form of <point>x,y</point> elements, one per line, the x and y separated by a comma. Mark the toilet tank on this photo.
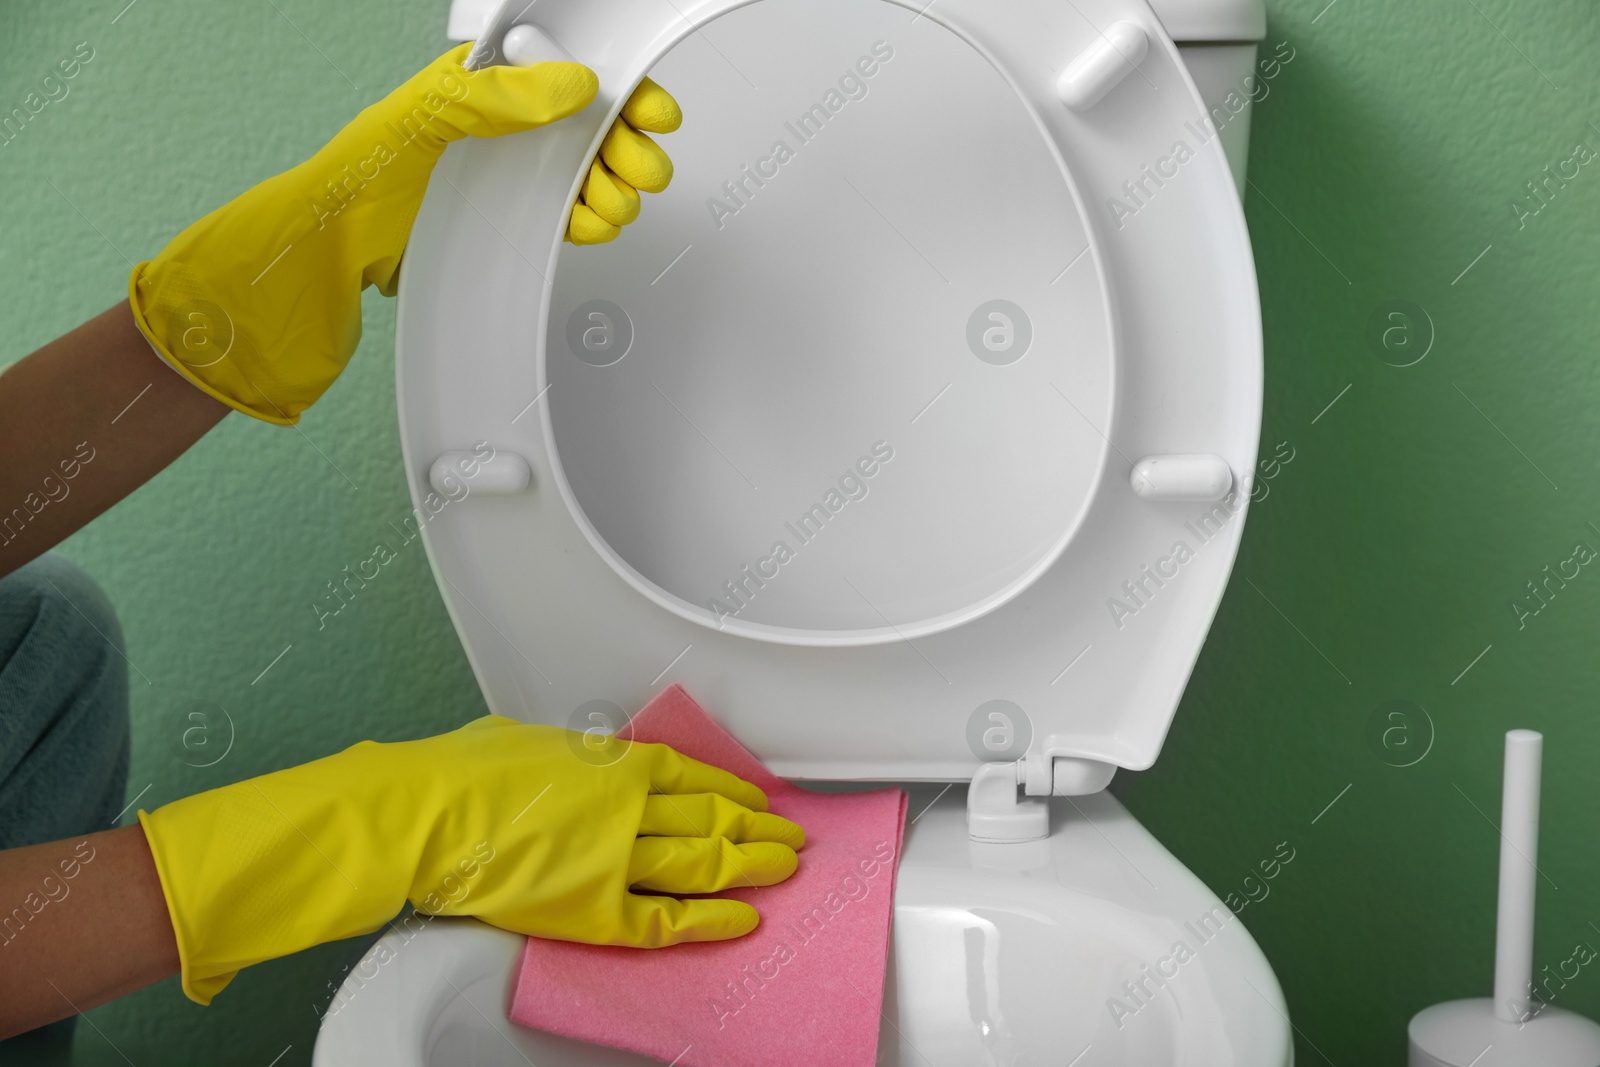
<point>1219,41</point>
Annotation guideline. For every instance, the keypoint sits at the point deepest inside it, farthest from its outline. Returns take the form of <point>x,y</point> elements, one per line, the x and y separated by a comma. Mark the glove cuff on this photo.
<point>199,986</point>
<point>159,344</point>
<point>272,865</point>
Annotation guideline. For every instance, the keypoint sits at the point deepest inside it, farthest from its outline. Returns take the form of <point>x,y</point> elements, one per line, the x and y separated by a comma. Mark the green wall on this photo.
<point>214,564</point>
<point>1414,512</point>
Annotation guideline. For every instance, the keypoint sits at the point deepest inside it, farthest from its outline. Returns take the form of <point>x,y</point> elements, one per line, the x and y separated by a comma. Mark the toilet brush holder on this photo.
<point>1511,1029</point>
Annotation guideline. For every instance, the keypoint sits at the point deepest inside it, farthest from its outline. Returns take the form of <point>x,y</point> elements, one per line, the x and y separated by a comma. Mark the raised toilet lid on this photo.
<point>818,396</point>
<point>874,372</point>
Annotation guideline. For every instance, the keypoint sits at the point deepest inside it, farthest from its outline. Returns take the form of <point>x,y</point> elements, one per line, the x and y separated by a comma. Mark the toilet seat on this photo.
<point>995,570</point>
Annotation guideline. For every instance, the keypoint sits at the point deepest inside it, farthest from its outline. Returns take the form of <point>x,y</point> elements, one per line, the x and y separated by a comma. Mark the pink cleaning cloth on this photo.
<point>805,988</point>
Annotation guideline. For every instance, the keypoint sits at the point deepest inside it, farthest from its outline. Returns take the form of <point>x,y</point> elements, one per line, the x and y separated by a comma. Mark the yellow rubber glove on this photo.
<point>534,829</point>
<point>259,303</point>
<point>628,161</point>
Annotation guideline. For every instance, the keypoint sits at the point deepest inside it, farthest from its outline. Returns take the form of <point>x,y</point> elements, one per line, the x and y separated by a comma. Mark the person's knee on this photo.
<point>51,610</point>
<point>63,702</point>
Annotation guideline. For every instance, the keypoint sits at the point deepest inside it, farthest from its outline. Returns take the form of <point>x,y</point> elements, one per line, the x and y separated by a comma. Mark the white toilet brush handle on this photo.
<point>1460,1033</point>
<point>1519,855</point>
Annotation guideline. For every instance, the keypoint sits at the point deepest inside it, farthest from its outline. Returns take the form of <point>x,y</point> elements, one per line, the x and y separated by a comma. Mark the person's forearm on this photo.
<point>82,921</point>
<point>84,421</point>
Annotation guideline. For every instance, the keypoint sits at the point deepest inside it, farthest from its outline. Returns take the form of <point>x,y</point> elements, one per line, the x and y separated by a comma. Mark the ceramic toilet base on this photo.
<point>1093,947</point>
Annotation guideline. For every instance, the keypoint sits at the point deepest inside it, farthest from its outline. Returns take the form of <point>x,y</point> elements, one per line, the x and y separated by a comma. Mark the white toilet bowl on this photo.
<point>1047,952</point>
<point>988,333</point>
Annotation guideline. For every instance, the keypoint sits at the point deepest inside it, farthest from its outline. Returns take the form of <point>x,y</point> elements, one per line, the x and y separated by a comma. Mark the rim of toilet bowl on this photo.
<point>823,637</point>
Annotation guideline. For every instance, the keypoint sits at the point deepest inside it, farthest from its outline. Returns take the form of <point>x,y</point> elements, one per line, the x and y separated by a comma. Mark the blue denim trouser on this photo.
<point>63,728</point>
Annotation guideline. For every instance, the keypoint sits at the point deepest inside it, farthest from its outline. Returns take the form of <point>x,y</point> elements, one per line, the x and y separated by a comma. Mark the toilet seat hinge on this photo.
<point>996,811</point>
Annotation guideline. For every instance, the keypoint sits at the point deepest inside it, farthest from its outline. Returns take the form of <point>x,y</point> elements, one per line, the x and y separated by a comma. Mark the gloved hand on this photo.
<point>259,303</point>
<point>533,829</point>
